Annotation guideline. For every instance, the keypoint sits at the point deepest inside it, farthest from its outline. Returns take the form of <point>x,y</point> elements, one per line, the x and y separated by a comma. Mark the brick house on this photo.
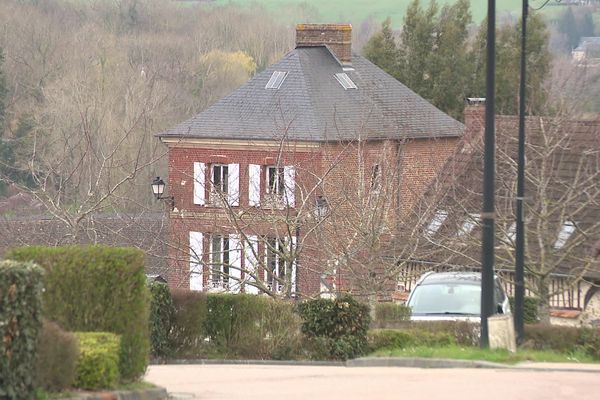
<point>562,211</point>
<point>273,183</point>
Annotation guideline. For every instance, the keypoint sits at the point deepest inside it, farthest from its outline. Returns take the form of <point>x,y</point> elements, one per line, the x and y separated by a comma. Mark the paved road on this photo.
<point>329,383</point>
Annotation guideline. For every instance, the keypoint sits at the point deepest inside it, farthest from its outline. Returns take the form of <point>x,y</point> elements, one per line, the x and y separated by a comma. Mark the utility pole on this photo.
<point>487,215</point>
<point>520,217</point>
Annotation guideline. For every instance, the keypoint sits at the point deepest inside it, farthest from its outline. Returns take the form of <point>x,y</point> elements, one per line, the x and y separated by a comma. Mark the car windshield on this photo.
<point>446,298</point>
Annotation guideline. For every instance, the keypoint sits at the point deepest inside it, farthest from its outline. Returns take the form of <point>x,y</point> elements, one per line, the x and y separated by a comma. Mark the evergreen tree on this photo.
<point>508,53</point>
<point>381,49</point>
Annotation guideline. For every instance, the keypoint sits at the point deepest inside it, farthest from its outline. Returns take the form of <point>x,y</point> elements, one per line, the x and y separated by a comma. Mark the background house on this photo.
<point>562,211</point>
<point>290,184</point>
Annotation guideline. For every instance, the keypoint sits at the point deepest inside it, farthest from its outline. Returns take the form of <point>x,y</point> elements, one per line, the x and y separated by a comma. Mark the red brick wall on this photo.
<point>338,37</point>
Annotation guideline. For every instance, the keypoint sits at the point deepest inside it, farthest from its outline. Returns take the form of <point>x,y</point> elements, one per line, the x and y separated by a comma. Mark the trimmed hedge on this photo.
<point>563,339</point>
<point>234,326</point>
<point>401,339</point>
<point>337,329</point>
<point>98,363</point>
<point>97,288</point>
<point>162,313</point>
<point>56,360</point>
<point>388,315</point>
<point>20,322</point>
<point>530,309</point>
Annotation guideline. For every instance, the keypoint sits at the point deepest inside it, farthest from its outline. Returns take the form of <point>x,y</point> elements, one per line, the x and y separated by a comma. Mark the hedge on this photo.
<point>337,329</point>
<point>388,315</point>
<point>162,314</point>
<point>56,359</point>
<point>20,322</point>
<point>563,339</point>
<point>97,288</point>
<point>530,309</point>
<point>234,326</point>
<point>98,362</point>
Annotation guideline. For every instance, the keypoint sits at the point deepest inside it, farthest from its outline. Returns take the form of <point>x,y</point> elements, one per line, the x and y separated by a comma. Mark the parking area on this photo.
<point>329,382</point>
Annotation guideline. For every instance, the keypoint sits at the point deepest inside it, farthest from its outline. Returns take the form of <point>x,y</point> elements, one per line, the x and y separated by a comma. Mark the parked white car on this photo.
<point>453,296</point>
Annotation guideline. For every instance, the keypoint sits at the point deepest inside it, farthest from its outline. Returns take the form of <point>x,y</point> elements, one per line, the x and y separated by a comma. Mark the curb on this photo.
<point>251,362</point>
<point>416,362</point>
<point>140,394</point>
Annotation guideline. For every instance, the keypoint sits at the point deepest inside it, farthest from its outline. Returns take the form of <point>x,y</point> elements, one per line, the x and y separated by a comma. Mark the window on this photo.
<point>276,80</point>
<point>437,221</point>
<point>469,224</point>
<point>219,261</point>
<point>276,265</point>
<point>276,180</point>
<point>376,178</point>
<point>345,81</point>
<point>220,177</point>
<point>565,233</point>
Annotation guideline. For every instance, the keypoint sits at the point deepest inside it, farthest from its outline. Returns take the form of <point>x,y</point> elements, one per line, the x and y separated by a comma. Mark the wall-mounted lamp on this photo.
<point>158,188</point>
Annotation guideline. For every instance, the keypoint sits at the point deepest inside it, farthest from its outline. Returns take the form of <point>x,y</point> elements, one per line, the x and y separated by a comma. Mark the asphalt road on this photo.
<point>328,382</point>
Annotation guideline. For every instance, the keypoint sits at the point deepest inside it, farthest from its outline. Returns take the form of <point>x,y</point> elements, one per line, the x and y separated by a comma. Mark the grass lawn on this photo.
<point>42,395</point>
<point>356,11</point>
<point>475,353</point>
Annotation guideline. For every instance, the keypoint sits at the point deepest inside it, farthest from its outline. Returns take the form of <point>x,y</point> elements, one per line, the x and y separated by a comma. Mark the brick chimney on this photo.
<point>474,122</point>
<point>338,37</point>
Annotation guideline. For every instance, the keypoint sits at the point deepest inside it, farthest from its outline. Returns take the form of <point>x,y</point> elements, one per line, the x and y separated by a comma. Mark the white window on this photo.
<point>219,261</point>
<point>376,178</point>
<point>437,221</point>
<point>511,235</point>
<point>225,182</point>
<point>276,80</point>
<point>469,224</point>
<point>345,81</point>
<point>254,185</point>
<point>251,264</point>
<point>277,264</point>
<point>275,180</point>
<point>280,186</point>
<point>565,233</point>
<point>196,266</point>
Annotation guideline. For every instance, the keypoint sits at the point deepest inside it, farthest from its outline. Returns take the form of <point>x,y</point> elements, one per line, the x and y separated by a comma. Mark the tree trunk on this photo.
<point>544,301</point>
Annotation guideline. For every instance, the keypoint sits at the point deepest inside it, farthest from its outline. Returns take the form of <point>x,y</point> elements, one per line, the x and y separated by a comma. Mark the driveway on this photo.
<point>328,383</point>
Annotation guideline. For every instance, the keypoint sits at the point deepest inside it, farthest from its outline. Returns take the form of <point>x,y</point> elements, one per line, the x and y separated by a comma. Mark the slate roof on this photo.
<point>561,156</point>
<point>311,105</point>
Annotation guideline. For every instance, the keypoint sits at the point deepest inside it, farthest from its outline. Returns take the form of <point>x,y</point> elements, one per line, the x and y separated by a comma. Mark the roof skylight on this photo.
<point>468,226</point>
<point>276,80</point>
<point>437,221</point>
<point>345,81</point>
<point>565,233</point>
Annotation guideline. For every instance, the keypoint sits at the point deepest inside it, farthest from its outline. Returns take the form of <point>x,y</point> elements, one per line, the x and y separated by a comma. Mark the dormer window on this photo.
<point>276,80</point>
<point>469,224</point>
<point>565,233</point>
<point>437,221</point>
<point>345,81</point>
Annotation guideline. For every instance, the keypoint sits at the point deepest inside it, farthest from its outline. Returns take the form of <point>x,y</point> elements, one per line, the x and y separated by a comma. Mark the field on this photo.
<point>356,11</point>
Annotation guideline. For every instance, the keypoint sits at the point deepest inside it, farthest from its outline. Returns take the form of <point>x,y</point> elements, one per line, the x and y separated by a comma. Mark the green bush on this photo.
<point>563,339</point>
<point>188,331</point>
<point>98,363</point>
<point>20,322</point>
<point>463,332</point>
<point>530,309</point>
<point>162,314</point>
<point>388,315</point>
<point>337,329</point>
<point>57,354</point>
<point>401,339</point>
<point>97,288</point>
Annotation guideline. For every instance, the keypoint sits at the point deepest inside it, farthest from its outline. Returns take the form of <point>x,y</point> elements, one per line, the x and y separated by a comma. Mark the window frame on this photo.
<point>222,186</point>
<point>219,265</point>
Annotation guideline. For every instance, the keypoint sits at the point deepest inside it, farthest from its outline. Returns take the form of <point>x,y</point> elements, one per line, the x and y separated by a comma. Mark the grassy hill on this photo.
<point>357,11</point>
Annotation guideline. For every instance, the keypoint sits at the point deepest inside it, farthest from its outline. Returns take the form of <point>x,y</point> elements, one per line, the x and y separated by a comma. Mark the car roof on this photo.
<point>451,277</point>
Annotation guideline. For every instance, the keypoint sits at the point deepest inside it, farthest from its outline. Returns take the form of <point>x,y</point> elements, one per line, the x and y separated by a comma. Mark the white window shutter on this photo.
<point>235,263</point>
<point>254,185</point>
<point>233,184</point>
<point>289,174</point>
<point>251,264</point>
<point>196,261</point>
<point>199,176</point>
<point>294,263</point>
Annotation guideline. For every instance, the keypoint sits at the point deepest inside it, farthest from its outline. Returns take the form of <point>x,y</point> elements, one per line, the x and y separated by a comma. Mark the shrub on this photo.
<point>97,288</point>
<point>336,329</point>
<point>564,339</point>
<point>389,315</point>
<point>530,309</point>
<point>20,321</point>
<point>57,356</point>
<point>188,332</point>
<point>463,332</point>
<point>400,339</point>
<point>98,363</point>
<point>162,314</point>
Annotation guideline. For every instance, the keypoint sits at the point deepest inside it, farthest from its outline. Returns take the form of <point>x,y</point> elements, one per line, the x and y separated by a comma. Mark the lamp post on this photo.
<point>158,189</point>
<point>487,214</point>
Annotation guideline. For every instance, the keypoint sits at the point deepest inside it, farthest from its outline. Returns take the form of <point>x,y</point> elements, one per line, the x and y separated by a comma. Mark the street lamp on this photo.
<point>158,189</point>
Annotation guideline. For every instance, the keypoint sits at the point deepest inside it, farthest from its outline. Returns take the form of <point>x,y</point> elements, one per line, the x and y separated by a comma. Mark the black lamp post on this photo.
<point>158,189</point>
